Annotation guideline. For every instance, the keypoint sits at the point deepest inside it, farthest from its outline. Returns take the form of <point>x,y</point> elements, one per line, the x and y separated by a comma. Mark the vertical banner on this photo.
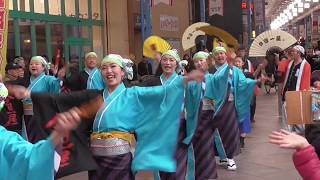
<point>215,7</point>
<point>4,12</point>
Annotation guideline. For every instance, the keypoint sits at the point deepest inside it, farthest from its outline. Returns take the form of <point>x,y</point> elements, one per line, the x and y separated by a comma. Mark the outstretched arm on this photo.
<point>305,158</point>
<point>19,158</point>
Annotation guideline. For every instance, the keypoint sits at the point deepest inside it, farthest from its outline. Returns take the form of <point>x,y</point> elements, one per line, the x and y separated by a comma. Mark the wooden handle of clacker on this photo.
<point>88,111</point>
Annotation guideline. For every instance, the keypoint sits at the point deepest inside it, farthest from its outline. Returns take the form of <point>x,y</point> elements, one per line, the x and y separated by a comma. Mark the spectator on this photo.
<point>144,68</point>
<point>305,159</point>
<point>23,70</point>
<point>297,77</point>
<point>190,65</point>
<point>12,72</point>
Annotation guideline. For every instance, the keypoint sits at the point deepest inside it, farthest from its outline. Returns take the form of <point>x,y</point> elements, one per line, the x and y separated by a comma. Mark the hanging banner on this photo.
<point>156,2</point>
<point>169,23</point>
<point>4,12</point>
<point>215,7</point>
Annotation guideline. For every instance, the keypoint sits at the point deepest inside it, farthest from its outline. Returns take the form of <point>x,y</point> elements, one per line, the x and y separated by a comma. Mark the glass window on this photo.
<point>25,39</point>
<point>83,9</point>
<point>78,31</point>
<point>72,31</point>
<point>25,5</point>
<point>96,9</point>
<point>97,41</point>
<point>55,7</point>
<point>41,38</point>
<point>11,5</point>
<point>70,8</point>
<point>57,39</point>
<point>39,6</point>
<point>10,48</point>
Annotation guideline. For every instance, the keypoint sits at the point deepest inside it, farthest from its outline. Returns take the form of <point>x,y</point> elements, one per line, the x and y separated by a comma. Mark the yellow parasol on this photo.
<point>154,44</point>
<point>217,42</point>
<point>221,34</point>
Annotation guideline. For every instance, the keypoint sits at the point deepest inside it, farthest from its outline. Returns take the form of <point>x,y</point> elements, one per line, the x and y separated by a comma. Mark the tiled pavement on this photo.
<point>259,160</point>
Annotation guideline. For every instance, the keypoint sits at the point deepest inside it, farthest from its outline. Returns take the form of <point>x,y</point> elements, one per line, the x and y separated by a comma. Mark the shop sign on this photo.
<point>169,23</point>
<point>215,7</point>
<point>4,11</point>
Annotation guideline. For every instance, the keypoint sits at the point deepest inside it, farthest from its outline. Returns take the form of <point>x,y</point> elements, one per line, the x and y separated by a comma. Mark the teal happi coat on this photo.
<point>95,80</point>
<point>242,89</point>
<point>44,84</point>
<point>153,114</point>
<point>21,160</point>
<point>194,95</point>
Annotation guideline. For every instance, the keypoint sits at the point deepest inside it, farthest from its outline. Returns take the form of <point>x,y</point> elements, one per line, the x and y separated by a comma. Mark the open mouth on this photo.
<point>167,68</point>
<point>111,77</point>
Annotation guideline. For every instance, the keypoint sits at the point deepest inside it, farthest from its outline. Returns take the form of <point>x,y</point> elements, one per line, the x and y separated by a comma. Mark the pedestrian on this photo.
<point>297,73</point>
<point>144,67</point>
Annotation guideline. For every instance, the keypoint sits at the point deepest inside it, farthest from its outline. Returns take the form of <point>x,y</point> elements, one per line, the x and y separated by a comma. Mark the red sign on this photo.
<point>244,5</point>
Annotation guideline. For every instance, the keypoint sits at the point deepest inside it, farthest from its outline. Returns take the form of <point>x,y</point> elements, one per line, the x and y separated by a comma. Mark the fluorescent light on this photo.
<point>300,5</point>
<point>291,6</point>
<point>315,0</point>
<point>294,10</point>
<point>307,0</point>
<point>300,10</point>
<point>306,5</point>
<point>295,14</point>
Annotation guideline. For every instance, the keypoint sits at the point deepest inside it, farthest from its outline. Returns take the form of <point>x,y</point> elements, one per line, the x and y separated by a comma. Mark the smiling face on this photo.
<point>168,64</point>
<point>201,64</point>
<point>242,53</point>
<point>36,68</point>
<point>112,74</point>
<point>294,54</point>
<point>91,62</point>
<point>220,58</point>
<point>238,62</point>
<point>21,63</point>
<point>316,85</point>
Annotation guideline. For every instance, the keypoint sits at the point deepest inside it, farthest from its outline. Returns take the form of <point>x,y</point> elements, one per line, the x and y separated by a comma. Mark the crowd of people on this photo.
<point>177,117</point>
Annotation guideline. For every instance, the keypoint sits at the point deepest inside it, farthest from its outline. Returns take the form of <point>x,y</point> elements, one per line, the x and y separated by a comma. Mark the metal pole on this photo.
<point>202,10</point>
<point>148,19</point>
<point>142,20</point>
<point>249,21</point>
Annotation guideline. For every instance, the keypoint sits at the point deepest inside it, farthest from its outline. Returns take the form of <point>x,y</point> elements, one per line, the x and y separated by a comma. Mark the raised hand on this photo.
<point>288,140</point>
<point>18,92</point>
<point>66,122</point>
<point>194,75</point>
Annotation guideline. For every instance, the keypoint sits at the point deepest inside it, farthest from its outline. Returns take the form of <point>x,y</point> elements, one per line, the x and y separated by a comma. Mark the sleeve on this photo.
<point>216,87</point>
<point>252,69</point>
<point>97,81</point>
<point>312,134</point>
<point>307,163</point>
<point>305,82</point>
<point>282,66</point>
<point>20,158</point>
<point>244,93</point>
<point>157,126</point>
<point>54,84</point>
<point>192,106</point>
<point>46,106</point>
<point>217,84</point>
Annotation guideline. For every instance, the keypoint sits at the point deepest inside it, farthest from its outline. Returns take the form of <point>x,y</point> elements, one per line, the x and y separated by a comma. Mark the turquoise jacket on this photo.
<point>21,160</point>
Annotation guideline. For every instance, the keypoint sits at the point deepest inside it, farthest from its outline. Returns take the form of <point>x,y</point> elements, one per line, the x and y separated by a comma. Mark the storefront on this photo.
<point>47,27</point>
